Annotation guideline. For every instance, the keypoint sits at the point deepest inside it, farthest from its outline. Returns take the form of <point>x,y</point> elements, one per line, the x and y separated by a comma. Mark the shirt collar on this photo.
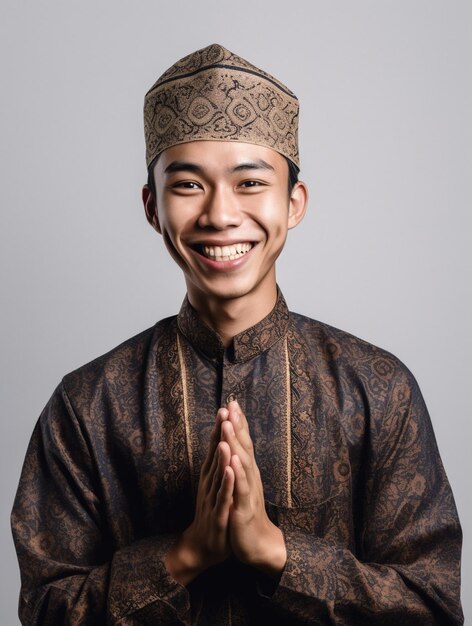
<point>248,344</point>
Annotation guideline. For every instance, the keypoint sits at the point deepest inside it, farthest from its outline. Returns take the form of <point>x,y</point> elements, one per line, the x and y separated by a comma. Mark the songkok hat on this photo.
<point>213,94</point>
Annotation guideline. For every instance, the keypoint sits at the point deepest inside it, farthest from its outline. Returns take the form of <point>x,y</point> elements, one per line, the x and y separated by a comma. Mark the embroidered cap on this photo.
<point>213,94</point>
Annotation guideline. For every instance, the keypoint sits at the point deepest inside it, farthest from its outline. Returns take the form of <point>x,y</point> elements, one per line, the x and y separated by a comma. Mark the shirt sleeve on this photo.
<point>406,566</point>
<point>70,573</point>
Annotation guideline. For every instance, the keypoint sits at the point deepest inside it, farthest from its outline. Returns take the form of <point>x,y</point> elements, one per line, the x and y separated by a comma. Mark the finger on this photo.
<point>228,434</point>
<point>224,498</point>
<point>215,437</point>
<point>208,473</point>
<point>235,408</point>
<point>223,456</point>
<point>246,456</point>
<point>221,416</point>
<point>242,489</point>
<point>240,425</point>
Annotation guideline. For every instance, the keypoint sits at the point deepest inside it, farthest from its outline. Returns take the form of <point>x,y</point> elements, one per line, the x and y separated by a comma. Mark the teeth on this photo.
<point>226,253</point>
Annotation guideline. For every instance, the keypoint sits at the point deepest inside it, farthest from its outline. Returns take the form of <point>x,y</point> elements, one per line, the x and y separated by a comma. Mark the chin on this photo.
<point>227,291</point>
<point>226,294</point>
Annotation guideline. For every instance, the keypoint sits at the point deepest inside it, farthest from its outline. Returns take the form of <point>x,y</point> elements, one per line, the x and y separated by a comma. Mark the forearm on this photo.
<point>133,583</point>
<point>326,580</point>
<point>69,572</point>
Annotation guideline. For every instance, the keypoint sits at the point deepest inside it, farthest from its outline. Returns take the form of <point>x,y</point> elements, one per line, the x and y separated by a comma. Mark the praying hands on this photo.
<point>230,516</point>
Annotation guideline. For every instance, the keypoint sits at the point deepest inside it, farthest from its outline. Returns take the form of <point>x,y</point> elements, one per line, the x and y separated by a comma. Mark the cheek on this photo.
<point>171,230</point>
<point>274,219</point>
<point>174,224</point>
<point>169,244</point>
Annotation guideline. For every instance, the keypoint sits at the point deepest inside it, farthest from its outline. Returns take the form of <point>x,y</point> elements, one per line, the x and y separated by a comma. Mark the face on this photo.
<point>224,212</point>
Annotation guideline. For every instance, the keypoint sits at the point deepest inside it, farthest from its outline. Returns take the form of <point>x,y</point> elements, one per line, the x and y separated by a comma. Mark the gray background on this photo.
<point>385,89</point>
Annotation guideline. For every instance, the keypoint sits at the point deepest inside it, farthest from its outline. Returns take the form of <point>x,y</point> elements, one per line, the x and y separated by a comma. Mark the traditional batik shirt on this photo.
<point>348,460</point>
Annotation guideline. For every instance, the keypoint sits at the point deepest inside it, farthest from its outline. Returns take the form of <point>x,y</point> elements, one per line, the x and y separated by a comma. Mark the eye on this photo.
<point>185,187</point>
<point>186,184</point>
<point>249,184</point>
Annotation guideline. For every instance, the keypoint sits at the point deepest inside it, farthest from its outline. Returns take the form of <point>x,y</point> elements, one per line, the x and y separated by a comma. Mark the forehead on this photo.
<point>222,156</point>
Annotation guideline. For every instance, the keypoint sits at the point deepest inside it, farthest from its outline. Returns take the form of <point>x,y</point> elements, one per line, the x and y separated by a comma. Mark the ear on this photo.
<point>297,204</point>
<point>150,208</point>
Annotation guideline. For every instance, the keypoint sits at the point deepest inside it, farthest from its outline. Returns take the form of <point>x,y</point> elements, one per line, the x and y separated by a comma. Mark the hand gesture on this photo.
<point>255,540</point>
<point>206,541</point>
<point>230,516</point>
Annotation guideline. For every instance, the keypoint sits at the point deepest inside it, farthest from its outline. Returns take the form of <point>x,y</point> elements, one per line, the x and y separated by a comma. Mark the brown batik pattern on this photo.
<point>215,94</point>
<point>348,460</point>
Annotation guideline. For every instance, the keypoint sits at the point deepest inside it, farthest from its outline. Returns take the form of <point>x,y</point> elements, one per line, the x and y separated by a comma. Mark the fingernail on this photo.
<point>224,413</point>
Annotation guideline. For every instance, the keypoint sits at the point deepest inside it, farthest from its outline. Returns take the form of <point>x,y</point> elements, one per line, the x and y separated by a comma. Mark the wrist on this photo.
<point>182,561</point>
<point>271,556</point>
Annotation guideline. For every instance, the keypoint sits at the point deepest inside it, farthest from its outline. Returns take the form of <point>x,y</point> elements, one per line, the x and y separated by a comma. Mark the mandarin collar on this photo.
<point>247,344</point>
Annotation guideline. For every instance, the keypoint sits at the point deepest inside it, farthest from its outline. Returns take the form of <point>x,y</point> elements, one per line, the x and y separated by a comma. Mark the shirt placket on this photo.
<point>229,381</point>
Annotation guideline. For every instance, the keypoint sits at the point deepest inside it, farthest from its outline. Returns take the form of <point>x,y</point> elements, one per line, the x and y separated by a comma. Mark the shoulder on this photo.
<point>372,390</point>
<point>351,360</point>
<point>122,367</point>
<point>338,343</point>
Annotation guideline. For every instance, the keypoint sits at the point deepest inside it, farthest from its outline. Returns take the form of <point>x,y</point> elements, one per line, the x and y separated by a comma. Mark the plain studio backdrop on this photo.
<point>384,251</point>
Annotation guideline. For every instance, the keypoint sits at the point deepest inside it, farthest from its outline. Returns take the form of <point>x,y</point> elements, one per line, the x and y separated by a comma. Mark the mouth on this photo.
<point>224,253</point>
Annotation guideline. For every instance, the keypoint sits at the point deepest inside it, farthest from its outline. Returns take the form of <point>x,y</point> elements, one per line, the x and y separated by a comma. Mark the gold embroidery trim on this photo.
<point>288,423</point>
<point>183,374</point>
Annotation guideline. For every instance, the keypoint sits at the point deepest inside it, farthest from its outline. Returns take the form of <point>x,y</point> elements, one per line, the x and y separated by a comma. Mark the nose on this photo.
<point>221,210</point>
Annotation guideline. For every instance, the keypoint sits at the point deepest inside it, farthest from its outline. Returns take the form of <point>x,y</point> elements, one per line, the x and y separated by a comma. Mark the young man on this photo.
<point>237,463</point>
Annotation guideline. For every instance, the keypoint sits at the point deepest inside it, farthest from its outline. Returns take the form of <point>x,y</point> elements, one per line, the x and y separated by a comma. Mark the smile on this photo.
<point>225,253</point>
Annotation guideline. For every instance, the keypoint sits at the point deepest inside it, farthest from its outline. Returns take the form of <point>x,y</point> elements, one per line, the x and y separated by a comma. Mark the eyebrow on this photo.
<point>259,164</point>
<point>188,166</point>
<point>182,166</point>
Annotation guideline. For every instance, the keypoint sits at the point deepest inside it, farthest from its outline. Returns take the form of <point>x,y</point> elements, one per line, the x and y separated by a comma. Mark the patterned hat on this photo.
<point>214,94</point>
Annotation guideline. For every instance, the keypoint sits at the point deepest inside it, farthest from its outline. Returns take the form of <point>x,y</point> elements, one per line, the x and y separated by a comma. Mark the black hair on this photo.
<point>293,172</point>
<point>150,179</point>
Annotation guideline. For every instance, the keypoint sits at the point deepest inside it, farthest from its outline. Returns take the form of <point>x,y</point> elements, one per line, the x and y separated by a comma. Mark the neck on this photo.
<point>230,316</point>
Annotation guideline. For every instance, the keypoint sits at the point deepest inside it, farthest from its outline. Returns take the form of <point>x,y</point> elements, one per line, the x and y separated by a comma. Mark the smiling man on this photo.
<point>236,463</point>
<point>223,209</point>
